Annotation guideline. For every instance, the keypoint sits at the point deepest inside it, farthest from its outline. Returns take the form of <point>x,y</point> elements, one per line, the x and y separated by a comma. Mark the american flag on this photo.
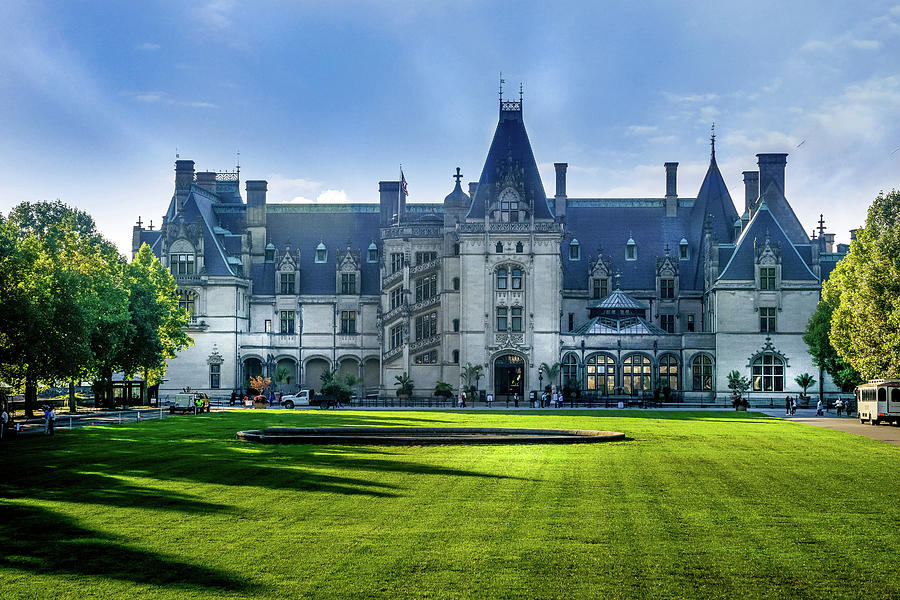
<point>403,183</point>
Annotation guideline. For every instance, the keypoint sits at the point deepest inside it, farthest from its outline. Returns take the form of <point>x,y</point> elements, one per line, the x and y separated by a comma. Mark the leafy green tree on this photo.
<point>738,384</point>
<point>864,290</point>
<point>551,372</point>
<point>823,353</point>
<point>472,374</point>
<point>339,387</point>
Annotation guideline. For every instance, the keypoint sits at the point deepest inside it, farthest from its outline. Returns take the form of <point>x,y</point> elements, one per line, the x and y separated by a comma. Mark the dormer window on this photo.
<point>373,253</point>
<point>509,206</point>
<point>684,252</point>
<point>321,253</point>
<point>270,253</point>
<point>630,250</point>
<point>574,250</point>
<point>767,278</point>
<point>182,264</point>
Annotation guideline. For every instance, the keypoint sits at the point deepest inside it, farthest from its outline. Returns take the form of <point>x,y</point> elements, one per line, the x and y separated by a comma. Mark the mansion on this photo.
<point>629,295</point>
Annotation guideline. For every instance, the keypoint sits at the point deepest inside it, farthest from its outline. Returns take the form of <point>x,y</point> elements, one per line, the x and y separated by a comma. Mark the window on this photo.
<point>456,325</point>
<point>502,313</point>
<point>767,319</point>
<point>287,283</point>
<point>396,261</point>
<point>396,336</point>
<point>600,374</point>
<point>636,373</point>
<point>502,278</point>
<point>667,323</point>
<point>456,284</point>
<point>268,326</point>
<point>499,248</point>
<point>348,321</point>
<point>690,322</point>
<point>630,250</point>
<point>182,264</point>
<point>668,372</point>
<point>767,278</point>
<point>396,297</point>
<point>516,324</point>
<point>509,212</point>
<point>519,248</point>
<point>348,283</point>
<point>571,321</point>
<point>426,287</point>
<point>600,287</point>
<point>570,371</point>
<point>456,249</point>
<point>667,288</point>
<point>187,300</point>
<point>215,375</point>
<point>429,358</point>
<point>426,326</point>
<point>574,250</point>
<point>287,321</point>
<point>701,368</point>
<point>683,250</point>
<point>425,257</point>
<point>517,279</point>
<point>373,253</point>
<point>456,357</point>
<point>270,253</point>
<point>321,253</point>
<point>768,373</point>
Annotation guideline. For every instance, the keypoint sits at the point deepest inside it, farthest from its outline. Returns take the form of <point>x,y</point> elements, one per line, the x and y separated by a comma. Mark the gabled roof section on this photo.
<point>765,227</point>
<point>510,149</point>
<point>198,208</point>
<point>774,198</point>
<point>714,203</point>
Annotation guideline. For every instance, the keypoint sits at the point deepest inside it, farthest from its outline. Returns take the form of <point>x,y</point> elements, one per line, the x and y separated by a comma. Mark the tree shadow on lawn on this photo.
<point>337,418</point>
<point>44,542</point>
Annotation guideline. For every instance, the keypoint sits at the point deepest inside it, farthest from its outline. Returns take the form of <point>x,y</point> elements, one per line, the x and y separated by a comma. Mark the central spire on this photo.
<point>712,142</point>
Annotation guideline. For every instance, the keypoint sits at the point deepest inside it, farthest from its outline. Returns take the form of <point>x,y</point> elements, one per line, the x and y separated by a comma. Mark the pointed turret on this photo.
<point>714,203</point>
<point>511,171</point>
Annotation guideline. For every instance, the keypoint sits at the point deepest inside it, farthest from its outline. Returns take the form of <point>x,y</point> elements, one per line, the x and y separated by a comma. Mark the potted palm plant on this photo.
<point>805,381</point>
<point>405,385</point>
<point>442,389</point>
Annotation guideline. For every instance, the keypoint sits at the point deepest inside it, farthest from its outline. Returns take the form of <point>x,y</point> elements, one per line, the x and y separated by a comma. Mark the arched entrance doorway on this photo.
<point>509,375</point>
<point>253,367</point>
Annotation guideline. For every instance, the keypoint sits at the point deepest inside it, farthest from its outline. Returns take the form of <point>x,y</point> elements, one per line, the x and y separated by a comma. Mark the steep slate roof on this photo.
<point>779,206</point>
<point>715,206</point>
<point>607,223</point>
<point>304,226</point>
<point>510,142</point>
<point>740,267</point>
<point>198,209</point>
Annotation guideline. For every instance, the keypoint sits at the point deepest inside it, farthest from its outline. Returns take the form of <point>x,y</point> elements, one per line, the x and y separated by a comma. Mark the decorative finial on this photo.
<point>151,225</point>
<point>712,140</point>
<point>667,250</point>
<point>458,176</point>
<point>238,163</point>
<point>139,222</point>
<point>813,236</point>
<point>502,81</point>
<point>176,152</point>
<point>521,89</point>
<point>821,225</point>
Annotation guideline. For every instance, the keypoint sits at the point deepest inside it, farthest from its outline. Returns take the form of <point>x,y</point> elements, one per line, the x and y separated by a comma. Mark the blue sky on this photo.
<point>325,98</point>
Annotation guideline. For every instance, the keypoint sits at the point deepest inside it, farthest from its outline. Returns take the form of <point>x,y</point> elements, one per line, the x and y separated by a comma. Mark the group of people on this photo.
<point>544,400</point>
<point>790,405</point>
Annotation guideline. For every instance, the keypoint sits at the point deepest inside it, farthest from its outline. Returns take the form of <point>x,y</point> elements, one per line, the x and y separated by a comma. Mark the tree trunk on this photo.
<point>145,391</point>
<point>108,388</point>
<point>72,407</point>
<point>30,391</point>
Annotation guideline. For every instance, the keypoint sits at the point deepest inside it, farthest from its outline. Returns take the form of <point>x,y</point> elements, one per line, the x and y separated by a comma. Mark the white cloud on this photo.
<point>148,46</point>
<point>865,44</point>
<point>641,129</point>
<point>215,14</point>
<point>895,10</point>
<point>288,190</point>
<point>663,139</point>
<point>690,98</point>
<point>814,46</point>
<point>331,197</point>
<point>156,97</point>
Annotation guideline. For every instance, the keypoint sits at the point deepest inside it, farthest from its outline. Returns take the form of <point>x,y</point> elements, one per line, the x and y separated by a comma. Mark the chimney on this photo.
<point>829,242</point>
<point>184,177</point>
<point>561,198</point>
<point>671,189</point>
<point>207,180</point>
<point>256,219</point>
<point>389,192</point>
<point>751,190</point>
<point>853,234</point>
<point>771,170</point>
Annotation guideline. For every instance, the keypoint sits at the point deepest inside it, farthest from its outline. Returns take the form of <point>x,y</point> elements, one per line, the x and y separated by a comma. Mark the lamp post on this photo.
<point>541,385</point>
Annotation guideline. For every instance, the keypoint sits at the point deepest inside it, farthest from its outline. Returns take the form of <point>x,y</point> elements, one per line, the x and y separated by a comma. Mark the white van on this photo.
<point>878,401</point>
<point>301,398</point>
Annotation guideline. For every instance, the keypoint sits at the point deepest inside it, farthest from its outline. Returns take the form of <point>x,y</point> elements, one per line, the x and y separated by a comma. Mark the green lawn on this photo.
<point>701,504</point>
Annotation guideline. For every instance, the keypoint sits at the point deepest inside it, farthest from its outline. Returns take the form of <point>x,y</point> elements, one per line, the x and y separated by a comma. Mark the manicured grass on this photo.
<point>704,504</point>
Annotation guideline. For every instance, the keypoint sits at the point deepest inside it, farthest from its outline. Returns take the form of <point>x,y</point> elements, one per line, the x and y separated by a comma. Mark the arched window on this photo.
<point>187,300</point>
<point>636,370</point>
<point>668,372</point>
<point>600,374</point>
<point>321,253</point>
<point>574,250</point>
<point>499,248</point>
<point>701,369</point>
<point>570,371</point>
<point>519,248</point>
<point>502,278</point>
<point>630,249</point>
<point>767,370</point>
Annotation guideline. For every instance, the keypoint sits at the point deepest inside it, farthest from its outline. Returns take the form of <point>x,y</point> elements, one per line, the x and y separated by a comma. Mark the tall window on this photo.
<point>456,325</point>
<point>600,374</point>
<point>600,287</point>
<point>348,321</point>
<point>456,284</point>
<point>519,248</point>
<point>767,371</point>
<point>667,323</point>
<point>516,279</point>
<point>502,316</point>
<point>509,212</point>
<point>396,261</point>
<point>287,321</point>
<point>690,322</point>
<point>571,321</point>
<point>499,248</point>
<point>666,288</point>
<point>630,250</point>
<point>668,372</point>
<point>767,319</point>
<point>215,376</point>
<point>396,297</point>
<point>456,357</point>
<point>396,336</point>
<point>636,373</point>
<point>574,250</point>
<point>287,283</point>
<point>767,278</point>
<point>424,257</point>
<point>701,369</point>
<point>683,252</point>
<point>426,287</point>
<point>426,326</point>
<point>516,321</point>
<point>182,264</point>
<point>348,283</point>
<point>373,253</point>
<point>570,371</point>
<point>187,300</point>
<point>502,278</point>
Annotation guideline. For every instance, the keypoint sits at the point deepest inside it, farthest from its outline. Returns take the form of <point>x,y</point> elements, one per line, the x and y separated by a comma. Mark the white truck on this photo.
<point>878,401</point>
<point>301,398</point>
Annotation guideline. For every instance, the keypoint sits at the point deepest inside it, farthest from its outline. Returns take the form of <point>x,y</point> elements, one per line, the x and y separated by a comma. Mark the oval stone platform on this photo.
<point>422,436</point>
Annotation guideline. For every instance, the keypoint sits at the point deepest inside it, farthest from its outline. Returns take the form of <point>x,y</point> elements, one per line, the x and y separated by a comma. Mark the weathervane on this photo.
<point>458,176</point>
<point>712,140</point>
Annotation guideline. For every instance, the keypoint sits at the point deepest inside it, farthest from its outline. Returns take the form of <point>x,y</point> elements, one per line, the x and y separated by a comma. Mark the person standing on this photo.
<point>50,419</point>
<point>516,400</point>
<point>793,406</point>
<point>839,405</point>
<point>819,408</point>
<point>787,405</point>
<point>490,400</point>
<point>4,423</point>
<point>233,398</point>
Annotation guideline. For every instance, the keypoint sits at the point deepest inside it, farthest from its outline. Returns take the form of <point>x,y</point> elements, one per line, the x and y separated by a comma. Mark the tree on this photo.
<point>472,374</point>
<point>260,384</point>
<point>805,380</point>
<point>864,290</point>
<point>405,384</point>
<point>442,389</point>
<point>823,353</point>
<point>339,387</point>
<point>738,384</point>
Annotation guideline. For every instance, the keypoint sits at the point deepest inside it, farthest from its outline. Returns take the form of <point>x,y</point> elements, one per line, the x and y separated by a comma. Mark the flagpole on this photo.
<point>399,192</point>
